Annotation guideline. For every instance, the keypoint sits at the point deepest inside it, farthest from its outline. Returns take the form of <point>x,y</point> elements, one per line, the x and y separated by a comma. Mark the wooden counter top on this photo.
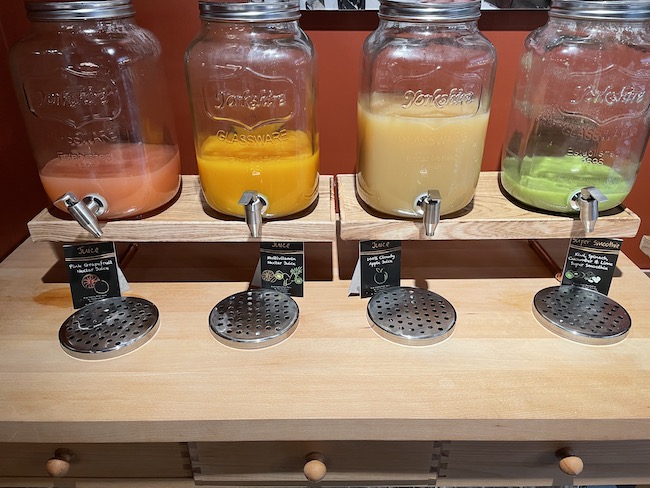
<point>500,376</point>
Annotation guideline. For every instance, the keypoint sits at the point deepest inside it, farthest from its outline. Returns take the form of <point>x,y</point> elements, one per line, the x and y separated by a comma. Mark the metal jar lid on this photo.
<point>254,319</point>
<point>109,328</point>
<point>581,315</point>
<point>411,316</point>
<point>601,9</point>
<point>79,10</point>
<point>255,11</point>
<point>434,11</point>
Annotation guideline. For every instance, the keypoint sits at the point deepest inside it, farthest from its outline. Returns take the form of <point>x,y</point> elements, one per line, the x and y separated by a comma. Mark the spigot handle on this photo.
<point>593,193</point>
<point>430,204</point>
<point>587,202</point>
<point>253,207</point>
<point>85,211</point>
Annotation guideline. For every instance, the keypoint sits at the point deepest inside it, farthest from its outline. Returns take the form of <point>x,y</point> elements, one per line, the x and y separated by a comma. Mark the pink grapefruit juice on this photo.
<point>133,178</point>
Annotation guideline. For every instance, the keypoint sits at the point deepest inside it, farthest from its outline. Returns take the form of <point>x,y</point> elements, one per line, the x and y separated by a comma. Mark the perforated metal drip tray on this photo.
<point>581,315</point>
<point>254,319</point>
<point>109,328</point>
<point>411,316</point>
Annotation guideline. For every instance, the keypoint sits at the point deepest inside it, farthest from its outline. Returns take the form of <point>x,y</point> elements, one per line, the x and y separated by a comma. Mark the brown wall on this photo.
<point>19,185</point>
<point>337,37</point>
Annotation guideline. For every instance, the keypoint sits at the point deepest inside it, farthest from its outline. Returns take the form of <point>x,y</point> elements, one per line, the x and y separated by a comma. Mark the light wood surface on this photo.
<point>190,219</point>
<point>490,216</point>
<point>59,465</point>
<point>315,468</point>
<point>500,376</point>
<point>645,245</point>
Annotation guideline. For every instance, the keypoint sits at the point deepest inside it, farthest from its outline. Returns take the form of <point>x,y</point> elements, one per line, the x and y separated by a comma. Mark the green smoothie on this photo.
<point>549,183</point>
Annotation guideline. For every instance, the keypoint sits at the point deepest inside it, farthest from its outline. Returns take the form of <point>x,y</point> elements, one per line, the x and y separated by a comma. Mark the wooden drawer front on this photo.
<point>267,463</point>
<point>99,460</point>
<point>535,463</point>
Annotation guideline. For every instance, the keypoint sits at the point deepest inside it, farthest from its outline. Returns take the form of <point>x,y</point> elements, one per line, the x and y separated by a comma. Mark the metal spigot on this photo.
<point>254,205</point>
<point>430,204</point>
<point>586,201</point>
<point>85,211</point>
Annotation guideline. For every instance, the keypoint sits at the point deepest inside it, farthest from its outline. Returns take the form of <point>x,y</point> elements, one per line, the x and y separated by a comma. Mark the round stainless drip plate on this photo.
<point>411,316</point>
<point>581,315</point>
<point>109,327</point>
<point>254,319</point>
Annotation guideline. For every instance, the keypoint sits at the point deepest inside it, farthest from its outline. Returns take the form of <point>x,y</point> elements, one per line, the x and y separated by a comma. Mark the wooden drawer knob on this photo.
<point>59,465</point>
<point>569,463</point>
<point>315,468</point>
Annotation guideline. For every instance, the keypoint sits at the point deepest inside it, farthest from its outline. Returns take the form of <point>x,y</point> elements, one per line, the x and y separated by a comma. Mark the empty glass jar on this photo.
<point>580,115</point>
<point>250,75</point>
<point>423,107</point>
<point>92,92</point>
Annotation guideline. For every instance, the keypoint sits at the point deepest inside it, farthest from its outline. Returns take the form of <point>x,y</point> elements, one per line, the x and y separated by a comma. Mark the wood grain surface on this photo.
<point>500,376</point>
<point>645,245</point>
<point>190,219</point>
<point>490,216</point>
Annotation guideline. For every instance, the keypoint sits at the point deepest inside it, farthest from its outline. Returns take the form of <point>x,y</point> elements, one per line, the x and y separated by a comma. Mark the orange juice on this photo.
<point>281,165</point>
<point>133,178</point>
<point>404,154</point>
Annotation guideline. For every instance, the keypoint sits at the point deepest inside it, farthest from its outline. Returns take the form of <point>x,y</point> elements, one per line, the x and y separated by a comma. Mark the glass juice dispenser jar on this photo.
<point>423,108</point>
<point>250,75</point>
<point>92,93</point>
<point>579,121</point>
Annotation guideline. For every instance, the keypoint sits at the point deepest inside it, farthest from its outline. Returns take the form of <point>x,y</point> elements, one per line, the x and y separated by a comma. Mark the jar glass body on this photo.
<point>252,93</point>
<point>94,101</point>
<point>580,115</point>
<point>423,110</point>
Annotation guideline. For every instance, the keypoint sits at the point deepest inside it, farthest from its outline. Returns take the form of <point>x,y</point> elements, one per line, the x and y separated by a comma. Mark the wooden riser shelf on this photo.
<point>189,219</point>
<point>490,216</point>
<point>645,245</point>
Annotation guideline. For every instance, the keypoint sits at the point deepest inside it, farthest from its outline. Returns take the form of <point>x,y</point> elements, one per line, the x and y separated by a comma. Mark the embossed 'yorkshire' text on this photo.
<point>439,98</point>
<point>74,97</point>
<point>611,96</point>
<point>252,101</point>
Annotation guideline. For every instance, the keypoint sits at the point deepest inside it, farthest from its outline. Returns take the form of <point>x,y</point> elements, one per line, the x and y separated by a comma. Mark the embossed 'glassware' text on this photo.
<point>93,97</point>
<point>423,106</point>
<point>250,76</point>
<point>580,114</point>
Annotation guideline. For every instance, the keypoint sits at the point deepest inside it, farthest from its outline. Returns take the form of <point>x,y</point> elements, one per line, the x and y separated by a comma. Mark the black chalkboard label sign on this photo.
<point>590,263</point>
<point>92,271</point>
<point>381,265</point>
<point>282,267</point>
